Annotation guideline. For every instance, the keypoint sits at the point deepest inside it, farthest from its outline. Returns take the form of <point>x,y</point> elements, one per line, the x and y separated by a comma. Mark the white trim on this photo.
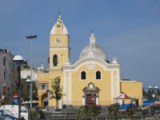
<point>60,104</point>
<point>112,85</point>
<point>64,88</point>
<point>115,83</point>
<point>97,99</point>
<point>115,80</point>
<point>83,100</point>
<point>118,81</point>
<point>70,87</point>
<point>80,64</point>
<point>106,66</point>
<point>53,30</point>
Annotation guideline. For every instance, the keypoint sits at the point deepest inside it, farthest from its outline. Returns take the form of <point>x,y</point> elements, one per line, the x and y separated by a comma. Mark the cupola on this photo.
<point>59,27</point>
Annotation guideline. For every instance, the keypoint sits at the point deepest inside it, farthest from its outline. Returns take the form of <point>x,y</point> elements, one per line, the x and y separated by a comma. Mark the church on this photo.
<point>92,79</point>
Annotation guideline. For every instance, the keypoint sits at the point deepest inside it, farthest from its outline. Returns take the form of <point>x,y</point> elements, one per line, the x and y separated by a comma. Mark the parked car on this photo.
<point>12,110</point>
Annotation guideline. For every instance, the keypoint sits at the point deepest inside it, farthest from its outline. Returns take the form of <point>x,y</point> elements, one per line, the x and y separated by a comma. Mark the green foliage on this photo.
<point>57,90</point>
<point>94,110</point>
<point>113,111</point>
<point>131,112</point>
<point>35,114</point>
<point>81,113</point>
<point>88,112</point>
<point>34,90</point>
<point>115,114</point>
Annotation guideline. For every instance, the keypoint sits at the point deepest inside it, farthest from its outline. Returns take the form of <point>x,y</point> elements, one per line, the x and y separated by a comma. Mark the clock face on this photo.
<point>58,40</point>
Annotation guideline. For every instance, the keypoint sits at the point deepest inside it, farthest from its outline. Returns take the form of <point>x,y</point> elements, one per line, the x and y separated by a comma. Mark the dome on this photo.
<point>93,50</point>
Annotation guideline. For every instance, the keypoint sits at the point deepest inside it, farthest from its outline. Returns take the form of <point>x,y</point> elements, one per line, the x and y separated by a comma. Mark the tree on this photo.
<point>57,90</point>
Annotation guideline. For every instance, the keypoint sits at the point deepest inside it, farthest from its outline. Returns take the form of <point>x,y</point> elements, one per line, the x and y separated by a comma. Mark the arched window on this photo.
<point>83,75</point>
<point>55,60</point>
<point>98,75</point>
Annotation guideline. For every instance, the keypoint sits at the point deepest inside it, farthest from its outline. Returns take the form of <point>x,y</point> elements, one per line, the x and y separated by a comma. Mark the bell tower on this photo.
<point>59,45</point>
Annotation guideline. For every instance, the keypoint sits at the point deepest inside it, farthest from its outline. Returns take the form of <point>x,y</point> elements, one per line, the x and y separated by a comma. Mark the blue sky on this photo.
<point>126,29</point>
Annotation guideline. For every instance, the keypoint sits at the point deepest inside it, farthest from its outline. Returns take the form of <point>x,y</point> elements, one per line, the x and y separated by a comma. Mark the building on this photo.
<point>25,74</point>
<point>7,78</point>
<point>92,79</point>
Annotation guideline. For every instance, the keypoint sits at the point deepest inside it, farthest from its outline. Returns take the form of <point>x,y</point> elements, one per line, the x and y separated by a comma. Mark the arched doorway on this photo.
<point>91,94</point>
<point>44,100</point>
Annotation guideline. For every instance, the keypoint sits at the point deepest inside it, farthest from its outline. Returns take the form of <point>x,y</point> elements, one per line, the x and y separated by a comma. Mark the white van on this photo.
<point>13,109</point>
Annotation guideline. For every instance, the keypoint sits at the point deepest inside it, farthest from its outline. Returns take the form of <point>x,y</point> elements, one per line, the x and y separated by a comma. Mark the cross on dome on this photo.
<point>92,39</point>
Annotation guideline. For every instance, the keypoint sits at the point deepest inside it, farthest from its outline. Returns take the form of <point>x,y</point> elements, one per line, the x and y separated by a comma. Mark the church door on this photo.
<point>91,99</point>
<point>91,93</point>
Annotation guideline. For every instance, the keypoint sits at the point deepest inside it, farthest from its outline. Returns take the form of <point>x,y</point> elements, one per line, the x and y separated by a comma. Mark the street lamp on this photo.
<point>31,37</point>
<point>18,59</point>
<point>28,81</point>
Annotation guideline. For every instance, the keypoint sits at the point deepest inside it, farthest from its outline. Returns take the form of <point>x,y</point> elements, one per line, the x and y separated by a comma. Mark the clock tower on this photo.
<point>59,45</point>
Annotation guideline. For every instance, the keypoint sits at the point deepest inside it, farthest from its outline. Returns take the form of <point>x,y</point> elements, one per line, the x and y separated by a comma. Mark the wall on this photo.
<point>133,89</point>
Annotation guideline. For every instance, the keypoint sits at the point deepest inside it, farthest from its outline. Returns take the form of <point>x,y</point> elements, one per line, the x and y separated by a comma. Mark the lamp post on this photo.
<point>28,81</point>
<point>31,37</point>
<point>18,59</point>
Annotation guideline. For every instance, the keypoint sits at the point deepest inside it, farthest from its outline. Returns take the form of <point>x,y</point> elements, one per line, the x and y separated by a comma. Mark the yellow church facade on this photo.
<point>92,79</point>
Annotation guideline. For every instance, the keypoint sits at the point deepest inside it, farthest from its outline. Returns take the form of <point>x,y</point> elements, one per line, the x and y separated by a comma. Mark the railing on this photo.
<point>73,116</point>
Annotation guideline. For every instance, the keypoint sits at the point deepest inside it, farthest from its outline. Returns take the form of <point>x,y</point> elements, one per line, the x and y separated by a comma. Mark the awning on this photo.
<point>123,96</point>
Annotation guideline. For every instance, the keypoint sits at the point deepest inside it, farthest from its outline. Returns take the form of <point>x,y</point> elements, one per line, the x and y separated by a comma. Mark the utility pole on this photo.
<point>31,37</point>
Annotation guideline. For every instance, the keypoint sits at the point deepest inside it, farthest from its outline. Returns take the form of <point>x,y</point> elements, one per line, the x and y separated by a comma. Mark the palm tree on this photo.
<point>57,90</point>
